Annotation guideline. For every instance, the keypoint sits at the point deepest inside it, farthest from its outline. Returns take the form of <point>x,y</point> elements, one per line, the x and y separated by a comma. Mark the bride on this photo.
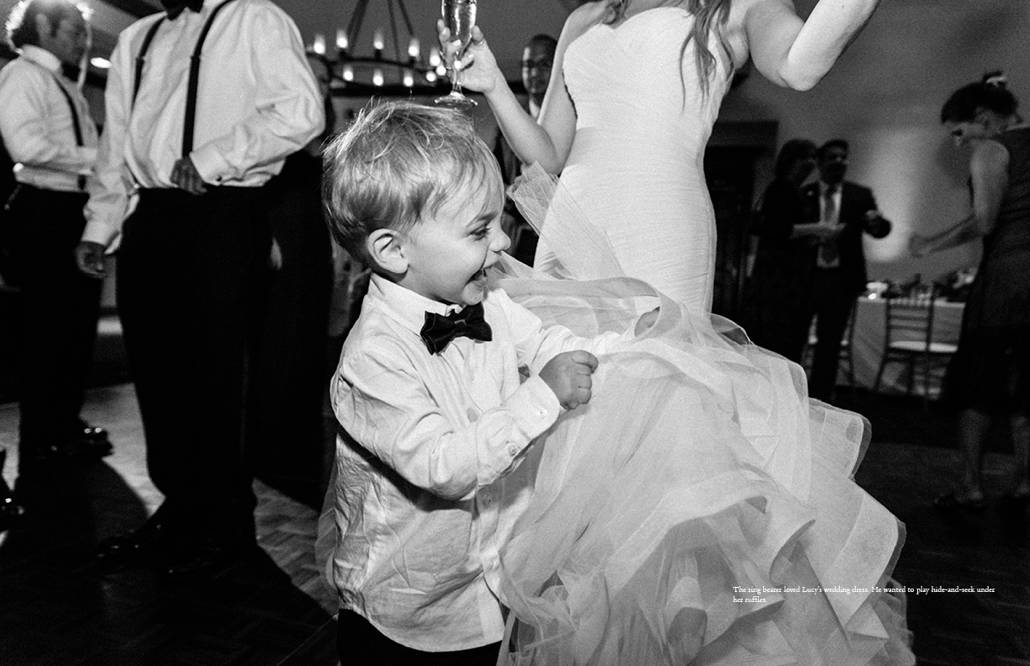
<point>701,509</point>
<point>635,89</point>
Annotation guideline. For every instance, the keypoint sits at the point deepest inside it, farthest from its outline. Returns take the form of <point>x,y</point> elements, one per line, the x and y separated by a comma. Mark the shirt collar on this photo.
<point>41,57</point>
<point>404,305</point>
<point>825,187</point>
<point>190,6</point>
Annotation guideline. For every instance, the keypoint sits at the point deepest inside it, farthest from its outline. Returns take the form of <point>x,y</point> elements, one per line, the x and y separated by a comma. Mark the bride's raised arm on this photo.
<point>547,140</point>
<point>797,54</point>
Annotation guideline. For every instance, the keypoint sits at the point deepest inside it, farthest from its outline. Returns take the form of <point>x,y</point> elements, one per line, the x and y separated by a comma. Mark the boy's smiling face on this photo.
<point>450,250</point>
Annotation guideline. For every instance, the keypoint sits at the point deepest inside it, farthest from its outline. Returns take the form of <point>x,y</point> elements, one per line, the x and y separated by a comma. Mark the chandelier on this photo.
<point>401,71</point>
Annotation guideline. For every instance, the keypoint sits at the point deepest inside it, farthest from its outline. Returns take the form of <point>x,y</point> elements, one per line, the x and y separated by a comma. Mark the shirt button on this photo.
<point>472,414</point>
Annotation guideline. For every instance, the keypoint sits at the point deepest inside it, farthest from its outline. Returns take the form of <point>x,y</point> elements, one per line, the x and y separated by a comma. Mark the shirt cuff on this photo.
<point>102,234</point>
<point>534,408</point>
<point>210,164</point>
<point>89,156</point>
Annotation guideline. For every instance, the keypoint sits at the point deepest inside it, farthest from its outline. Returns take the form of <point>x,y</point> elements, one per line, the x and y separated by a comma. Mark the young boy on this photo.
<point>428,391</point>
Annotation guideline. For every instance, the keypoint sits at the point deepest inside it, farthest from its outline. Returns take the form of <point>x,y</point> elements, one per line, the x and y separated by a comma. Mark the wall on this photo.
<point>885,95</point>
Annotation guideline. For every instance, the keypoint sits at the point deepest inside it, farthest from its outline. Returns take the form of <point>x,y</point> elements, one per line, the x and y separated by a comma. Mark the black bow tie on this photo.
<point>439,330</point>
<point>193,5</point>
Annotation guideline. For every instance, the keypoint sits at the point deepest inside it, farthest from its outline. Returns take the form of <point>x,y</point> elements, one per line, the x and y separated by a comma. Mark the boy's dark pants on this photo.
<point>189,278</point>
<point>359,643</point>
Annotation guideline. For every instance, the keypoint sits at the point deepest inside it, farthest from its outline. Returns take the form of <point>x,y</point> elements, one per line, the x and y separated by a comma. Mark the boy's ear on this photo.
<point>385,247</point>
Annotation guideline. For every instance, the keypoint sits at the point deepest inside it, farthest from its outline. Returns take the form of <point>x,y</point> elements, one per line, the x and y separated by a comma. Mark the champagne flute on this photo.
<point>459,16</point>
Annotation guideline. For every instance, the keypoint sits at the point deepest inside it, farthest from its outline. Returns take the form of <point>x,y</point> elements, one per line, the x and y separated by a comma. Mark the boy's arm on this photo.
<point>387,408</point>
<point>537,344</point>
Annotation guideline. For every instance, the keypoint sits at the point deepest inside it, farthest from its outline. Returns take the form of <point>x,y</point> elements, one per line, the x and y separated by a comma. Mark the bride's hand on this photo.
<point>477,66</point>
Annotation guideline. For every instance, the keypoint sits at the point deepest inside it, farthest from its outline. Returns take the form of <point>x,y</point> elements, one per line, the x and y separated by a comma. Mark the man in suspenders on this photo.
<point>51,139</point>
<point>203,103</point>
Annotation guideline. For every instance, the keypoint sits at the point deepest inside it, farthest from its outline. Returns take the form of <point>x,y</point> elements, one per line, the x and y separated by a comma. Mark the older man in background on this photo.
<point>51,141</point>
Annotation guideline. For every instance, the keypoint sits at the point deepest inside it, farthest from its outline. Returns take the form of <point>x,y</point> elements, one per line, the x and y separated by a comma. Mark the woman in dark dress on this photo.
<point>775,308</point>
<point>990,374</point>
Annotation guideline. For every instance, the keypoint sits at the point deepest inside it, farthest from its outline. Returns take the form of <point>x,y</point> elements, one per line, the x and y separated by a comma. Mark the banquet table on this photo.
<point>868,342</point>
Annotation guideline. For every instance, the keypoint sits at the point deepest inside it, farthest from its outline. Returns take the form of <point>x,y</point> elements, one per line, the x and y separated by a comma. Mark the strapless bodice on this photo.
<point>636,164</point>
<point>635,84</point>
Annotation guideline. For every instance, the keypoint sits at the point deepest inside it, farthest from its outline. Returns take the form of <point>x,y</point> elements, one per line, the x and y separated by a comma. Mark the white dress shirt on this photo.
<point>831,217</point>
<point>433,488</point>
<point>257,102</point>
<point>37,123</point>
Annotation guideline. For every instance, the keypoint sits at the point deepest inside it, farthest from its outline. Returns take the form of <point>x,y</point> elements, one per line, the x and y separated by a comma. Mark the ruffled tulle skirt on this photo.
<point>700,509</point>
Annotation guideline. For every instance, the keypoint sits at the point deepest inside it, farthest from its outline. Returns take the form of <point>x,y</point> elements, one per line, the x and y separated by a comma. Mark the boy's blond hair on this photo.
<point>397,162</point>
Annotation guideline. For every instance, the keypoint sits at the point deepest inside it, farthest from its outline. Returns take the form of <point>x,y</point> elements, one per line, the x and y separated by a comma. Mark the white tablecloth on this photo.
<point>868,341</point>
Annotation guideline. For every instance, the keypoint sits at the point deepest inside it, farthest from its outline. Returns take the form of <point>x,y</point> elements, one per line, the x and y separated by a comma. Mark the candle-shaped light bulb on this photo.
<point>318,46</point>
<point>413,48</point>
<point>434,57</point>
<point>341,41</point>
<point>377,42</point>
<point>441,70</point>
<point>377,77</point>
<point>348,73</point>
<point>409,78</point>
<point>431,76</point>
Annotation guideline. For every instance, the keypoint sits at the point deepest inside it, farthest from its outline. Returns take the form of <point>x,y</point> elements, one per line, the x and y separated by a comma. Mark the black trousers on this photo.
<point>287,442</point>
<point>359,644</point>
<point>831,302</point>
<point>190,281</point>
<point>58,323</point>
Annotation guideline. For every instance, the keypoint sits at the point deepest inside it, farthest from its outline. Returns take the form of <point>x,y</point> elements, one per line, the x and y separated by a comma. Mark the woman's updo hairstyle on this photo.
<point>989,93</point>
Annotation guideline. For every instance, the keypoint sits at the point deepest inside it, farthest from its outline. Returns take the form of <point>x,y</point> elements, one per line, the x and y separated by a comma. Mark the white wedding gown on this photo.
<point>636,163</point>
<point>700,509</point>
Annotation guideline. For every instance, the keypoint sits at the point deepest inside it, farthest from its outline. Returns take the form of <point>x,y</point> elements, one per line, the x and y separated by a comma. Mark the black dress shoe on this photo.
<point>10,508</point>
<point>141,546</point>
<point>93,441</point>
<point>206,559</point>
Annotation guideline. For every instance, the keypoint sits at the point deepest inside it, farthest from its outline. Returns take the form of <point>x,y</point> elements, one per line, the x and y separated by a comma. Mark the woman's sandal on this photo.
<point>952,501</point>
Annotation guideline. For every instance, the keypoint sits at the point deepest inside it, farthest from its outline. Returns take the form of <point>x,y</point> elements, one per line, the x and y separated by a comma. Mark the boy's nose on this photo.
<point>501,241</point>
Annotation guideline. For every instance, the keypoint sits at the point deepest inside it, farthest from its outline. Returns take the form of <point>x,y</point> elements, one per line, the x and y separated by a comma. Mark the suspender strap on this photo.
<point>75,124</point>
<point>142,57</point>
<point>191,89</point>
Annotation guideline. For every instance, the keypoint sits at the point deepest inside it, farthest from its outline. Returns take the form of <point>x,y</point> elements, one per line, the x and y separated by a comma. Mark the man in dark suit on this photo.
<point>537,59</point>
<point>842,211</point>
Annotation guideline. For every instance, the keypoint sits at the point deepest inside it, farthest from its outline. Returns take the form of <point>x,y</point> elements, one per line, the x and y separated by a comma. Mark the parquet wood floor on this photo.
<point>55,608</point>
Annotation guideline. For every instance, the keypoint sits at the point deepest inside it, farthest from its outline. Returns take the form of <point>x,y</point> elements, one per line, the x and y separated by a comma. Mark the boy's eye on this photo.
<point>480,233</point>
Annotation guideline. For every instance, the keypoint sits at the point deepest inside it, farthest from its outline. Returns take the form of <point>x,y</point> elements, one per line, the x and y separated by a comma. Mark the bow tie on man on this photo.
<point>175,7</point>
<point>439,330</point>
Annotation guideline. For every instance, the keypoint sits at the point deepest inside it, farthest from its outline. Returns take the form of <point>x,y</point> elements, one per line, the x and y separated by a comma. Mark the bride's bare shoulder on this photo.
<point>583,17</point>
<point>743,12</point>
